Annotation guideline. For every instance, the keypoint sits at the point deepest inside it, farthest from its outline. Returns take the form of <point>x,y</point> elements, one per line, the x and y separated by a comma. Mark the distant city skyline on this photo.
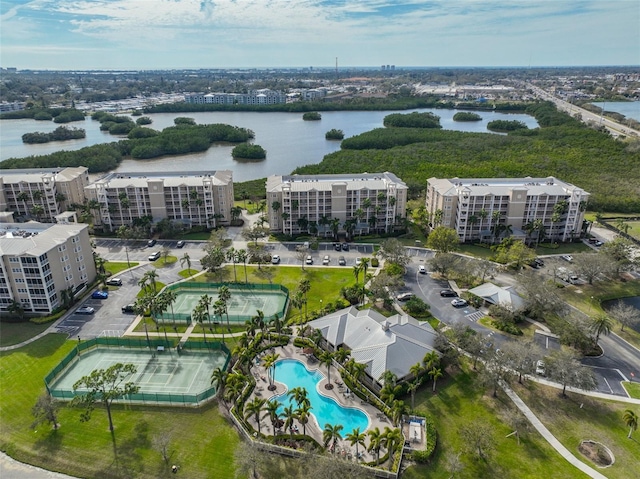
<point>174,34</point>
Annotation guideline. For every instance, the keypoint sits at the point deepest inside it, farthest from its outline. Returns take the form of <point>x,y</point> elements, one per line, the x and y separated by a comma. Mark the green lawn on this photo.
<point>576,418</point>
<point>115,267</point>
<point>633,389</point>
<point>458,403</point>
<point>14,333</point>
<point>202,440</point>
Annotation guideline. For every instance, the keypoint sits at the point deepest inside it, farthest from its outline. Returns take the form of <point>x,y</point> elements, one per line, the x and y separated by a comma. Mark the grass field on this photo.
<point>460,402</point>
<point>115,267</point>
<point>579,418</point>
<point>633,389</point>
<point>14,333</point>
<point>202,441</point>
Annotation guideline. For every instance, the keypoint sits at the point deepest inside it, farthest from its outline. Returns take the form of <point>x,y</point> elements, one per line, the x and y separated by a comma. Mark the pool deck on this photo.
<point>344,448</point>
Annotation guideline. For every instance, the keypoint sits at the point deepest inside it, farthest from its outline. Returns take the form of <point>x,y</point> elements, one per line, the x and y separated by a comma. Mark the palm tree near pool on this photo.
<point>326,358</point>
<point>331,434</point>
<point>299,395</point>
<point>630,418</point>
<point>271,408</point>
<point>270,365</point>
<point>289,416</point>
<point>356,438</point>
<point>375,442</point>
<point>303,413</point>
<point>255,408</point>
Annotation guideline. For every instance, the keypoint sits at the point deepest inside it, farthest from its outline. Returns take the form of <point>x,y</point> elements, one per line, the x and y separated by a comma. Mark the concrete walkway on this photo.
<point>550,438</point>
<point>12,469</point>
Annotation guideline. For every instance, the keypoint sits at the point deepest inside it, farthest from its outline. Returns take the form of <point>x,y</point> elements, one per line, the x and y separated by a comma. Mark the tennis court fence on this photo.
<point>163,399</point>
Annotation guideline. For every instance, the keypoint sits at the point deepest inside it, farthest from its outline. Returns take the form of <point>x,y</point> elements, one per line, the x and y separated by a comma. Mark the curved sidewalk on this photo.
<point>550,438</point>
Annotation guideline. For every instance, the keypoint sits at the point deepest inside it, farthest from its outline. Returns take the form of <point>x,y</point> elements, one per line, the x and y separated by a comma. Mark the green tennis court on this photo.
<point>243,304</point>
<point>161,374</point>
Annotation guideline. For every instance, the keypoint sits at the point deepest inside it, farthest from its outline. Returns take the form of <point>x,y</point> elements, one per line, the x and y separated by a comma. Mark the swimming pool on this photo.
<point>325,410</point>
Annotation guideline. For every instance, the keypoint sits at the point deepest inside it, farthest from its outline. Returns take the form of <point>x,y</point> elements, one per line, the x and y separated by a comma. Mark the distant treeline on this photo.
<point>563,147</point>
<point>61,133</point>
<point>58,115</point>
<point>176,140</point>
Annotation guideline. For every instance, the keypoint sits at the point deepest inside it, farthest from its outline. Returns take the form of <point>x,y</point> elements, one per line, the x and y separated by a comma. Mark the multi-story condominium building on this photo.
<point>197,198</point>
<point>42,194</point>
<point>329,204</point>
<point>487,208</point>
<point>40,264</point>
<point>263,96</point>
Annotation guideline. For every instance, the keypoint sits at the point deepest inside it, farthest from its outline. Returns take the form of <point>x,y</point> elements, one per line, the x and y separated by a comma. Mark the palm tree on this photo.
<point>334,225</point>
<point>326,358</point>
<point>303,413</point>
<point>272,411</point>
<point>205,302</point>
<point>375,442</point>
<point>24,197</point>
<point>186,259</point>
<point>600,324</point>
<point>430,360</point>
<point>435,373</point>
<point>218,310</point>
<point>151,276</point>
<point>304,286</point>
<point>270,365</point>
<point>199,315</point>
<point>299,395</point>
<point>397,410</point>
<point>391,439</point>
<point>416,370</point>
<point>630,418</point>
<point>254,408</point>
<point>356,438</point>
<point>219,377</point>
<point>341,354</point>
<point>170,296</point>
<point>356,271</point>
<point>224,295</point>
<point>242,256</point>
<point>331,434</point>
<point>289,414</point>
<point>233,256</point>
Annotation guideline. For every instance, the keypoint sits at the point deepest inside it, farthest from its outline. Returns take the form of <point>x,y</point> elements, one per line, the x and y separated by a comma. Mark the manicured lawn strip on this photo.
<point>202,440</point>
<point>479,251</point>
<point>460,402</point>
<point>115,267</point>
<point>579,418</point>
<point>562,248</point>
<point>580,297</point>
<point>187,273</point>
<point>14,333</point>
<point>633,389</point>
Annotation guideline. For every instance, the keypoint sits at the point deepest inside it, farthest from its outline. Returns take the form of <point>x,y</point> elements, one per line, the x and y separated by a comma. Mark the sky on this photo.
<point>168,34</point>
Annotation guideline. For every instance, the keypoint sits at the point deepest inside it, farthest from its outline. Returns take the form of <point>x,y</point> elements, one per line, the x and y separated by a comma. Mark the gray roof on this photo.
<point>354,181</point>
<point>502,186</point>
<point>42,238</point>
<point>140,180</point>
<point>383,344</point>
<point>493,294</point>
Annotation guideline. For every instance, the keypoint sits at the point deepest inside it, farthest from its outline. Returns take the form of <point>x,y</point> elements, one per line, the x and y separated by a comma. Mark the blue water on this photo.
<point>294,374</point>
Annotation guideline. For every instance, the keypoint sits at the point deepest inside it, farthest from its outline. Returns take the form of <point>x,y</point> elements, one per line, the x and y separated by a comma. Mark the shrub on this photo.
<point>412,120</point>
<point>311,116</point>
<point>246,151</point>
<point>334,134</point>
<point>466,116</point>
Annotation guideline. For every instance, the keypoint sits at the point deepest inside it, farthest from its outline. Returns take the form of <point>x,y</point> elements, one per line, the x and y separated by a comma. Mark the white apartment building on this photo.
<point>39,263</point>
<point>196,198</point>
<point>360,203</point>
<point>474,206</point>
<point>42,194</point>
<point>262,96</point>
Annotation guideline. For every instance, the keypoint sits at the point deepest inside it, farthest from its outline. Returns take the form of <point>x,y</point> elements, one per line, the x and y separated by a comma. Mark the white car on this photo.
<point>422,269</point>
<point>85,310</point>
<point>458,303</point>
<point>540,367</point>
<point>309,259</point>
<point>567,257</point>
<point>275,259</point>
<point>358,261</point>
<point>325,260</point>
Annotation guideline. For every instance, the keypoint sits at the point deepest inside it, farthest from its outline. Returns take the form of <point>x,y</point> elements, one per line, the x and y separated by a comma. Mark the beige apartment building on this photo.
<point>194,199</point>
<point>42,194</point>
<point>41,263</point>
<point>324,204</point>
<point>475,207</point>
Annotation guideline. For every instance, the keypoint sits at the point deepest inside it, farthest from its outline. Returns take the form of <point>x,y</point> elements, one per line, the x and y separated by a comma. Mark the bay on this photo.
<point>289,141</point>
<point>630,109</point>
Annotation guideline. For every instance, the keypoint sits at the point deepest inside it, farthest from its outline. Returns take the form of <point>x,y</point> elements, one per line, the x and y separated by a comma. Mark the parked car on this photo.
<point>100,295</point>
<point>342,261</point>
<point>404,296</point>
<point>337,246</point>
<point>540,367</point>
<point>155,256</point>
<point>598,243</point>
<point>129,308</point>
<point>85,310</point>
<point>180,244</point>
<point>539,262</point>
<point>592,240</point>
<point>458,303</point>
<point>275,259</point>
<point>325,260</point>
<point>345,246</point>
<point>422,269</point>
<point>567,257</point>
<point>309,259</point>
<point>151,243</point>
<point>448,293</point>
<point>358,261</point>
<point>114,282</point>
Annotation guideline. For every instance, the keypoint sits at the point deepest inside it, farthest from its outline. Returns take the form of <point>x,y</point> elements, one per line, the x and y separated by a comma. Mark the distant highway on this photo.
<point>615,128</point>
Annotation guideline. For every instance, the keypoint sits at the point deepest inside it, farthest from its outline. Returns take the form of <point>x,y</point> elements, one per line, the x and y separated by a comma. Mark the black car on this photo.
<point>129,308</point>
<point>337,246</point>
<point>539,262</point>
<point>448,293</point>
<point>151,243</point>
<point>345,246</point>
